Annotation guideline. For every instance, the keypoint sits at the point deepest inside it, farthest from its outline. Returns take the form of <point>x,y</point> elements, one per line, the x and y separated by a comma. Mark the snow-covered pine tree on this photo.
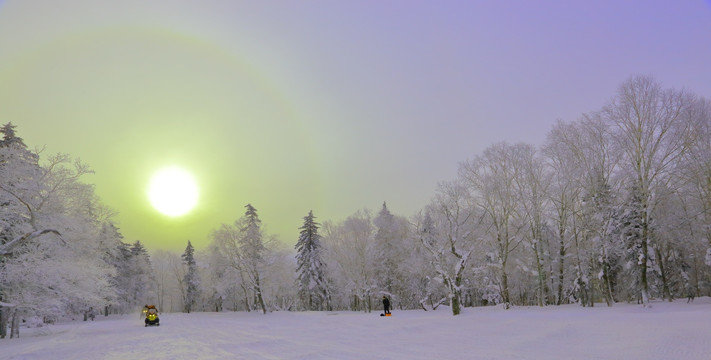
<point>140,275</point>
<point>311,278</point>
<point>19,177</point>
<point>385,259</point>
<point>16,164</point>
<point>251,247</point>
<point>608,248</point>
<point>391,255</point>
<point>124,278</point>
<point>110,240</point>
<point>632,228</point>
<point>10,138</point>
<point>191,280</point>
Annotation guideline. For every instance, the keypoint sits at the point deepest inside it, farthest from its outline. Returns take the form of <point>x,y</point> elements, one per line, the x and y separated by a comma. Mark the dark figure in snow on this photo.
<point>691,294</point>
<point>386,305</point>
<point>143,313</point>
<point>90,314</point>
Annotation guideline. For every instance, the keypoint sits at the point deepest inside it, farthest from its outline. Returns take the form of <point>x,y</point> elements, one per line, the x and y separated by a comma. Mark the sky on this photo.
<point>330,106</point>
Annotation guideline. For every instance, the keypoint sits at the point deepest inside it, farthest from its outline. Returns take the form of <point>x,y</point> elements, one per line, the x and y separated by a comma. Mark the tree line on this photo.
<point>615,206</point>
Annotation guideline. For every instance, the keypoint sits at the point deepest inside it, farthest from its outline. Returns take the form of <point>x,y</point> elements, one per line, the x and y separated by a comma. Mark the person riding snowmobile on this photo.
<point>152,316</point>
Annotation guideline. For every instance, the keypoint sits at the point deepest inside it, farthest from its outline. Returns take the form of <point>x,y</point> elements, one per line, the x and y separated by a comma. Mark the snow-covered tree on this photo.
<point>385,238</point>
<point>166,264</point>
<point>279,278</point>
<point>391,255</point>
<point>695,199</point>
<point>110,239</point>
<point>311,279</point>
<point>20,173</point>
<point>239,251</point>
<point>654,132</point>
<point>633,234</point>
<point>224,270</point>
<point>447,234</point>
<point>584,160</point>
<point>562,195</point>
<point>191,279</point>
<point>491,179</point>
<point>428,290</point>
<point>40,274</point>
<point>134,278</point>
<point>350,259</point>
<point>251,246</point>
<point>532,183</point>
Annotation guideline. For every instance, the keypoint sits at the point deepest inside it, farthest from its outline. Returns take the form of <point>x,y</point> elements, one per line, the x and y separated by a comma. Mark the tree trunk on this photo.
<point>4,317</point>
<point>643,260</point>
<point>589,283</point>
<point>505,289</point>
<point>666,293</point>
<point>540,293</point>
<point>606,284</point>
<point>15,324</point>
<point>455,303</point>
<point>246,297</point>
<point>561,267</point>
<point>258,291</point>
<point>456,300</point>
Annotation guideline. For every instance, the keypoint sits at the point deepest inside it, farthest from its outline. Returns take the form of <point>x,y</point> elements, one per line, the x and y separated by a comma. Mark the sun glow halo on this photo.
<point>173,191</point>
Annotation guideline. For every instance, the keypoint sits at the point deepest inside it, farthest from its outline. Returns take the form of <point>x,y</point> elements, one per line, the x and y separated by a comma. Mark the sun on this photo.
<point>173,191</point>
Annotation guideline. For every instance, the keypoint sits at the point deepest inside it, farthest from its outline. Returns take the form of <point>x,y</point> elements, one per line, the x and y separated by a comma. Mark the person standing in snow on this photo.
<point>386,305</point>
<point>89,314</point>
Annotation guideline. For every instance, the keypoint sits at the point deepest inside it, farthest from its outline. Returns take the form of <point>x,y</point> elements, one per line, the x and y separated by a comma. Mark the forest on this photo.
<point>613,207</point>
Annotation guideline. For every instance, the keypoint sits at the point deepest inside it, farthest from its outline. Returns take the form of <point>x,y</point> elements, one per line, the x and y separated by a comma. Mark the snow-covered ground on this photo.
<point>666,331</point>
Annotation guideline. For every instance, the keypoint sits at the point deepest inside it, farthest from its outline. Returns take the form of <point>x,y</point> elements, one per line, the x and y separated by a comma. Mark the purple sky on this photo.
<point>365,101</point>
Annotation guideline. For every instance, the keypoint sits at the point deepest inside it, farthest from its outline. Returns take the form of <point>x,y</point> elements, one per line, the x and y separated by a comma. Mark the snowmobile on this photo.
<point>152,316</point>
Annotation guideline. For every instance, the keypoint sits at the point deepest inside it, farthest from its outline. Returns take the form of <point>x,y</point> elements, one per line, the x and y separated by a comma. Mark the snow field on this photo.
<point>666,331</point>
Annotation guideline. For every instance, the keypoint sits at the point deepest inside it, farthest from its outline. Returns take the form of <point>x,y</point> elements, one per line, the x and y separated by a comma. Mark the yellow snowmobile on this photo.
<point>152,316</point>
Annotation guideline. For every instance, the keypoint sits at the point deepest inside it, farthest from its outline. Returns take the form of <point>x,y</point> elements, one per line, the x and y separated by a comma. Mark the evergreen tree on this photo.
<point>191,279</point>
<point>633,232</point>
<point>110,239</point>
<point>603,247</point>
<point>311,279</point>
<point>384,238</point>
<point>608,247</point>
<point>140,272</point>
<point>390,254</point>
<point>19,179</point>
<point>10,138</point>
<point>251,248</point>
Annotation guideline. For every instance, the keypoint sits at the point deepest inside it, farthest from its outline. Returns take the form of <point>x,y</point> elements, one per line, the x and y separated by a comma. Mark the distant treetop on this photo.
<point>9,136</point>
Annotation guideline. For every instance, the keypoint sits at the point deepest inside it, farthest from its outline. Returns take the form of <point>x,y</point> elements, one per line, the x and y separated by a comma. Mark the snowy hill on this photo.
<point>666,331</point>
